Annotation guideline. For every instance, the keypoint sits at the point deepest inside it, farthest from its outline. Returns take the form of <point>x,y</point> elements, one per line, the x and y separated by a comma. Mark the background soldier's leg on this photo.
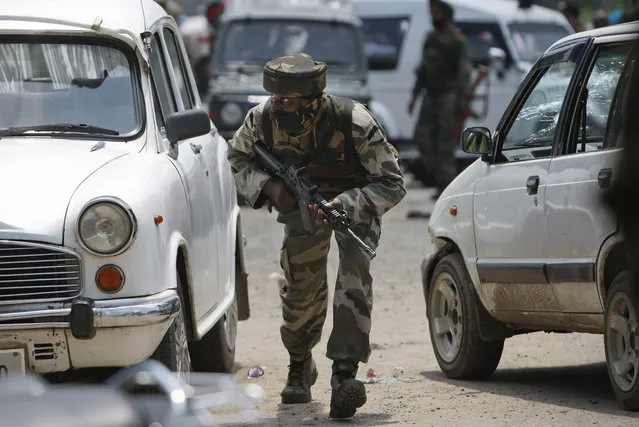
<point>423,140</point>
<point>305,296</point>
<point>353,299</point>
<point>446,141</point>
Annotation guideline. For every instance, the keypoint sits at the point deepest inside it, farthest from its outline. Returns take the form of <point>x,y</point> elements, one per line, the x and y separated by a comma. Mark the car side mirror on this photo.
<point>477,140</point>
<point>187,124</point>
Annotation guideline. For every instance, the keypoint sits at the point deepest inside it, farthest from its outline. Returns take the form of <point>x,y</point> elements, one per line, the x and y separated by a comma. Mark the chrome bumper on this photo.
<point>84,315</point>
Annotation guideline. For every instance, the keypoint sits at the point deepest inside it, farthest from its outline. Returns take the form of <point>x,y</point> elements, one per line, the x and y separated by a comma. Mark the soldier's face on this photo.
<point>437,15</point>
<point>289,104</point>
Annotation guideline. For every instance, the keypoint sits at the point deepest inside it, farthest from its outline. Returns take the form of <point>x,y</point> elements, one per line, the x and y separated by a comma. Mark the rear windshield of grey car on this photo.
<point>254,42</point>
<point>70,82</point>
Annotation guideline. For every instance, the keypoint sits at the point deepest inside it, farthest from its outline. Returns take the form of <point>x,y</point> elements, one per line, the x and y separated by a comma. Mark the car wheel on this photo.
<point>215,352</point>
<point>173,351</point>
<point>621,337</point>
<point>453,321</point>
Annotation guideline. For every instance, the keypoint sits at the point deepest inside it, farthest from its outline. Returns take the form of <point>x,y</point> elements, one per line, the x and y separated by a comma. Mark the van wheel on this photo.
<point>173,350</point>
<point>621,338</point>
<point>453,321</point>
<point>215,352</point>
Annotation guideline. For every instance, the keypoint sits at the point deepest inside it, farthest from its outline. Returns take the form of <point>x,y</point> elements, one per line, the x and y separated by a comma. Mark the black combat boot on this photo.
<point>301,376</point>
<point>348,393</point>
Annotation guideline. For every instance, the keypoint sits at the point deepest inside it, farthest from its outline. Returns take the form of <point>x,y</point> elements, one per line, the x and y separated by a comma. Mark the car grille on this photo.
<point>34,272</point>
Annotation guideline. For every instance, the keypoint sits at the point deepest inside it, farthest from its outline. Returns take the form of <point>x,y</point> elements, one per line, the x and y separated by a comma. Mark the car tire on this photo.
<point>215,352</point>
<point>173,350</point>
<point>621,340</point>
<point>453,322</point>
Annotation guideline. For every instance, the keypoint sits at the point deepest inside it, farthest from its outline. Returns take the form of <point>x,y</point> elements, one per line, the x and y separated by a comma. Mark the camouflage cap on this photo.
<point>298,76</point>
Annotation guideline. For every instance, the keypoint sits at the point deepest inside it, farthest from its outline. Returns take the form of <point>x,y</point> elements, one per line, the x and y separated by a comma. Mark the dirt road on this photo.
<point>542,380</point>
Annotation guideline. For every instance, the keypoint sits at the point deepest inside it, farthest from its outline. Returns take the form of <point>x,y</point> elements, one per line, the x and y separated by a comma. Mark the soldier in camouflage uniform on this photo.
<point>443,74</point>
<point>356,169</point>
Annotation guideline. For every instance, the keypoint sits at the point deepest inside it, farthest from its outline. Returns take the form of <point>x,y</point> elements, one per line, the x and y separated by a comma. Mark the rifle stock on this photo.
<point>305,191</point>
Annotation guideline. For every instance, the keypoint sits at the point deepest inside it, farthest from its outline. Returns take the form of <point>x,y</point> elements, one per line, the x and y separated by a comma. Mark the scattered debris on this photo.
<point>255,371</point>
<point>398,372</point>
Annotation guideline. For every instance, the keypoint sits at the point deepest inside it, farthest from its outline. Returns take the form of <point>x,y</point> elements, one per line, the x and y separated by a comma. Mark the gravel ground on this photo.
<point>542,380</point>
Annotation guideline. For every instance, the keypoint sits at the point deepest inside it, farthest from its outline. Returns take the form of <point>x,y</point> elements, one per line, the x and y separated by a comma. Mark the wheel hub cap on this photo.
<point>446,314</point>
<point>622,340</point>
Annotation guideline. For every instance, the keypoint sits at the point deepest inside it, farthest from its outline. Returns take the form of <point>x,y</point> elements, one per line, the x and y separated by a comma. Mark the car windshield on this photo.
<point>253,43</point>
<point>66,87</point>
<point>531,39</point>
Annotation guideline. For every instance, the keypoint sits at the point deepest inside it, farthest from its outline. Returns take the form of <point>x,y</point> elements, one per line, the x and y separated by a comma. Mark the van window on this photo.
<point>480,37</point>
<point>384,37</point>
<point>531,39</point>
<point>252,43</point>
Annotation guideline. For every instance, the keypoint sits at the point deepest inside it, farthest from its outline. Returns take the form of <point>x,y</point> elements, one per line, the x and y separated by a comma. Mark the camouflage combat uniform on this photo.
<point>443,75</point>
<point>368,181</point>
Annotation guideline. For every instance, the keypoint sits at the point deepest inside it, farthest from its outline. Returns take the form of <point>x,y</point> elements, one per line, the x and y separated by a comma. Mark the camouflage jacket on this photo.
<point>368,184</point>
<point>445,64</point>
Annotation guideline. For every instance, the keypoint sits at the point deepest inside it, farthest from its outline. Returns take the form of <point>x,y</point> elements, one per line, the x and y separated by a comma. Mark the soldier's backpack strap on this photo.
<point>344,113</point>
<point>267,123</point>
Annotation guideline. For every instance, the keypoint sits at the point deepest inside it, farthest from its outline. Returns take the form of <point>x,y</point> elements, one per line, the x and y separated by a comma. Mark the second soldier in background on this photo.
<point>442,78</point>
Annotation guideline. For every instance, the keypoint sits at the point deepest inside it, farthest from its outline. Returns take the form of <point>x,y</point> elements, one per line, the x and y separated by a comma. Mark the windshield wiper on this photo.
<point>58,127</point>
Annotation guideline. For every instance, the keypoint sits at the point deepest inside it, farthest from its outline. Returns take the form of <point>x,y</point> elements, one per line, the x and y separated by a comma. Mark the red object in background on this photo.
<point>215,9</point>
<point>370,373</point>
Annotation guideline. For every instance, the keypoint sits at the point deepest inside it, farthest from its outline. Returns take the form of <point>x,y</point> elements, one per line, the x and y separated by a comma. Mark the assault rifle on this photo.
<point>305,191</point>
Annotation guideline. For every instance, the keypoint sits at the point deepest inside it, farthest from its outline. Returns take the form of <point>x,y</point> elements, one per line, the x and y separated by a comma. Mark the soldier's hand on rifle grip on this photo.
<point>335,204</point>
<point>283,200</point>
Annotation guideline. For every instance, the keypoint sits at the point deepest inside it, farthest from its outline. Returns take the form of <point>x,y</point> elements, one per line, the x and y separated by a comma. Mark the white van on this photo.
<point>394,32</point>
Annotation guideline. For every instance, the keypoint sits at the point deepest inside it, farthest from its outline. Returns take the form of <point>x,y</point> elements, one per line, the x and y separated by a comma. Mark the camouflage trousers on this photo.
<point>303,259</point>
<point>435,136</point>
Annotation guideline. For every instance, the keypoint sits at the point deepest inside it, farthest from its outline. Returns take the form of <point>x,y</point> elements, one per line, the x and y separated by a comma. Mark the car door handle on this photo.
<point>532,184</point>
<point>604,178</point>
<point>196,148</point>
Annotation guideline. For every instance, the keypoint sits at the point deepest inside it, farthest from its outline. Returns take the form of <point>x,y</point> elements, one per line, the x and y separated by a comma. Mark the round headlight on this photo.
<point>231,113</point>
<point>106,227</point>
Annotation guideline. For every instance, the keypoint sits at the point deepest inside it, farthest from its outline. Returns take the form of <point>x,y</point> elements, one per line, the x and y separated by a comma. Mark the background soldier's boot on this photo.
<point>301,376</point>
<point>348,393</point>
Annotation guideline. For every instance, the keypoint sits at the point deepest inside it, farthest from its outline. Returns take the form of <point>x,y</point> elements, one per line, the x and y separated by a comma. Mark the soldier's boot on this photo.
<point>348,393</point>
<point>301,376</point>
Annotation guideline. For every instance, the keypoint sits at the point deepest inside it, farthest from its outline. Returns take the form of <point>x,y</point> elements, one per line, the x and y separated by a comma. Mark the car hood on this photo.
<point>351,85</point>
<point>38,177</point>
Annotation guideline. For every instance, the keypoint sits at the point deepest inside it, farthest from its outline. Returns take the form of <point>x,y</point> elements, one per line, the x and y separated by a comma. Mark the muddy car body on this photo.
<point>522,241</point>
<point>120,234</point>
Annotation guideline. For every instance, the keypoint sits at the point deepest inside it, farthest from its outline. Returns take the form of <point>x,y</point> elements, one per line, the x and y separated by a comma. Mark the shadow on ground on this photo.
<point>583,387</point>
<point>316,413</point>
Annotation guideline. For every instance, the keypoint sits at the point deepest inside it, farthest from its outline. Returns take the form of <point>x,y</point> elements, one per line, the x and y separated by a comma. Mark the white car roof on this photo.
<point>467,10</point>
<point>319,10</point>
<point>113,16</point>
<point>610,30</point>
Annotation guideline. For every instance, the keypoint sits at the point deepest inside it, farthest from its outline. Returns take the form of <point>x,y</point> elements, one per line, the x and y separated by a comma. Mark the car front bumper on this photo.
<point>88,333</point>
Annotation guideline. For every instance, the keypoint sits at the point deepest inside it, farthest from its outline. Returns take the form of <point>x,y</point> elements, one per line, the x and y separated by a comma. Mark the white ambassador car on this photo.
<point>120,234</point>
<point>522,241</point>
